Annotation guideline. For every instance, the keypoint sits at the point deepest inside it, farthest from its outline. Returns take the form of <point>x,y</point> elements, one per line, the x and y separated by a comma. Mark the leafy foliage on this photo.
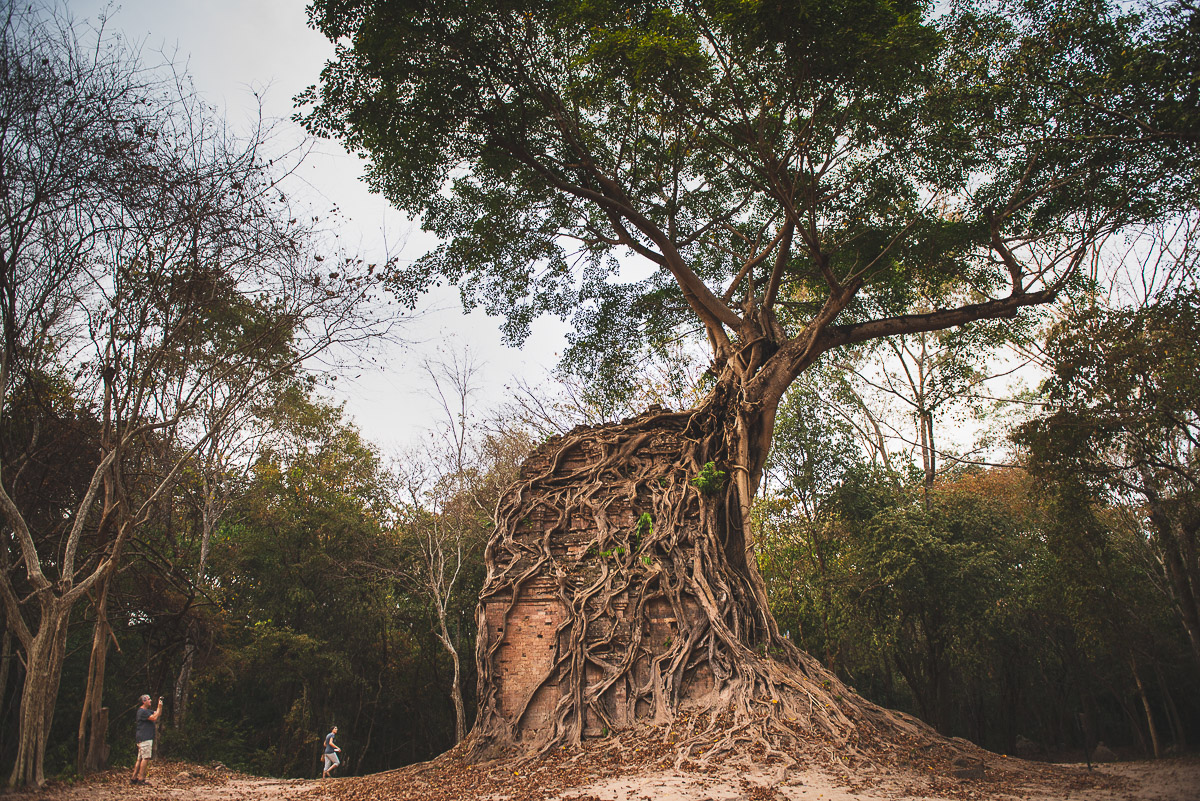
<point>1125,425</point>
<point>999,602</point>
<point>552,145</point>
<point>983,613</point>
<point>709,480</point>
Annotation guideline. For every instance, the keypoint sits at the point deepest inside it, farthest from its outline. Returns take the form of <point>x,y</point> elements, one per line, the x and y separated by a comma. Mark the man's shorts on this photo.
<point>332,761</point>
<point>146,749</point>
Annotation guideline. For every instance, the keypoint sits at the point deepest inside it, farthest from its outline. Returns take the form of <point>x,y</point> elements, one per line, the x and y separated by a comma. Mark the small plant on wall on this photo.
<point>709,480</point>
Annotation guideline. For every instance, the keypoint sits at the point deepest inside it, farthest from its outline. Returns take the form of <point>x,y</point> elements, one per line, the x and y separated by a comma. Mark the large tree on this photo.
<point>1124,422</point>
<point>785,177</point>
<point>151,271</point>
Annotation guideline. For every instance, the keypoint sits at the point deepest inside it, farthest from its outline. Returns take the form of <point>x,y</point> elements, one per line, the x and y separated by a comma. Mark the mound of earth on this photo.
<point>649,765</point>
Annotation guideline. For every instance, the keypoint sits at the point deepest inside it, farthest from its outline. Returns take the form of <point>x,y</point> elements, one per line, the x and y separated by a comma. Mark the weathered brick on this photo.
<point>530,631</point>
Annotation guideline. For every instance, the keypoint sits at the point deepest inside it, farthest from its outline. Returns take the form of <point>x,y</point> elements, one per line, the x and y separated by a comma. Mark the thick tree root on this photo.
<point>632,540</point>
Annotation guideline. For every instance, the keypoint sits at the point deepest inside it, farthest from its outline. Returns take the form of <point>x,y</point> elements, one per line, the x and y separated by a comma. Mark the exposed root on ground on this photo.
<point>693,752</point>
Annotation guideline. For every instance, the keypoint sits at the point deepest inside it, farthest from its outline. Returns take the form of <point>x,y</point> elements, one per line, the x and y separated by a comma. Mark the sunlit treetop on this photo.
<point>801,174</point>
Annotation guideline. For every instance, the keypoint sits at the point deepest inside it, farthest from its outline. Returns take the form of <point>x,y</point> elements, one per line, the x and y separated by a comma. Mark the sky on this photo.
<point>239,50</point>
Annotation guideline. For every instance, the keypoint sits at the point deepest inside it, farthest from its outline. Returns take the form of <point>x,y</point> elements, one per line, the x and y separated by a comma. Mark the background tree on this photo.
<point>1125,422</point>
<point>1078,615</point>
<point>295,560</point>
<point>148,260</point>
<point>1018,615</point>
<point>217,476</point>
<point>938,381</point>
<point>317,561</point>
<point>814,449</point>
<point>441,514</point>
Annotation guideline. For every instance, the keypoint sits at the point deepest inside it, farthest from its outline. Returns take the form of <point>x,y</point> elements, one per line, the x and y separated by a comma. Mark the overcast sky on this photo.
<point>237,49</point>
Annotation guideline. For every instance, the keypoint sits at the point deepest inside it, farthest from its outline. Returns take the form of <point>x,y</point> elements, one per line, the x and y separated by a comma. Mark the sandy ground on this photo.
<point>1174,780</point>
<point>1006,780</point>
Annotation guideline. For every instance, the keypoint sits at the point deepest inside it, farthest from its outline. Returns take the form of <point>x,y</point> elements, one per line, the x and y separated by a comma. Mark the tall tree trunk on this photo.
<point>92,748</point>
<point>43,672</point>
<point>622,565</point>
<point>921,687</point>
<point>939,690</point>
<point>1131,715</point>
<point>1150,725</point>
<point>6,657</point>
<point>92,744</point>
<point>1173,715</point>
<point>1177,549</point>
<point>366,746</point>
<point>213,508</point>
<point>826,598</point>
<point>456,693</point>
<point>928,456</point>
<point>183,682</point>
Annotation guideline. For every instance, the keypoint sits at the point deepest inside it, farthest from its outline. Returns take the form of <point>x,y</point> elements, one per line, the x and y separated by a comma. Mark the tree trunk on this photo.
<point>460,709</point>
<point>1177,550</point>
<point>922,687</point>
<point>1131,716</point>
<point>826,599</point>
<point>211,512</point>
<point>92,749</point>
<point>1155,746</point>
<point>1176,721</point>
<point>183,683</point>
<point>361,756</point>
<point>92,746</point>
<point>6,656</point>
<point>43,672</point>
<point>622,585</point>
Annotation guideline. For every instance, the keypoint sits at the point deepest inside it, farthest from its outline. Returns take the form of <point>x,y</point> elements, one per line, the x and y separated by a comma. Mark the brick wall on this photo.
<point>535,628</point>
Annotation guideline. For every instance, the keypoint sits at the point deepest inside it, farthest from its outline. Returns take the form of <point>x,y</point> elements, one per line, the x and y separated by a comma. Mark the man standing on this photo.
<point>331,753</point>
<point>145,738</point>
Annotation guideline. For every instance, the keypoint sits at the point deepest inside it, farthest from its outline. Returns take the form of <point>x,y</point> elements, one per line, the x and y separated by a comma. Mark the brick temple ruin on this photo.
<point>594,582</point>
<point>620,590</point>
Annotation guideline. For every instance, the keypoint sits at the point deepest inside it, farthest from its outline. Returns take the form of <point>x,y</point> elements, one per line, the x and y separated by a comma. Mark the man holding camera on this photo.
<point>145,738</point>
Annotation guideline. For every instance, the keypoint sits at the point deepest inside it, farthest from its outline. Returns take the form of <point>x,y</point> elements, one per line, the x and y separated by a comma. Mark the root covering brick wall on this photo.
<point>568,551</point>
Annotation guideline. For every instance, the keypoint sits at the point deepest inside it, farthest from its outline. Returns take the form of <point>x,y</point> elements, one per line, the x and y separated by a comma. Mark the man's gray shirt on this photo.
<point>145,726</point>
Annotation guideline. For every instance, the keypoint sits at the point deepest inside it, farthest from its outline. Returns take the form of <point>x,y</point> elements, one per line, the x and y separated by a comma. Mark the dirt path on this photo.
<point>174,781</point>
<point>1163,780</point>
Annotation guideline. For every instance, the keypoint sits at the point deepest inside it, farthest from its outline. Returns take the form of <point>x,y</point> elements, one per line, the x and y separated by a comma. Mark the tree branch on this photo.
<point>836,336</point>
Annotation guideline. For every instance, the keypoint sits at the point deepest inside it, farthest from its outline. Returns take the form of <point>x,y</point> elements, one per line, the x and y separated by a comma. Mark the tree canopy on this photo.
<point>809,173</point>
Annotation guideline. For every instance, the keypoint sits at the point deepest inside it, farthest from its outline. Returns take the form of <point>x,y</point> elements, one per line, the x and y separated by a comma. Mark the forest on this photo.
<point>956,367</point>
